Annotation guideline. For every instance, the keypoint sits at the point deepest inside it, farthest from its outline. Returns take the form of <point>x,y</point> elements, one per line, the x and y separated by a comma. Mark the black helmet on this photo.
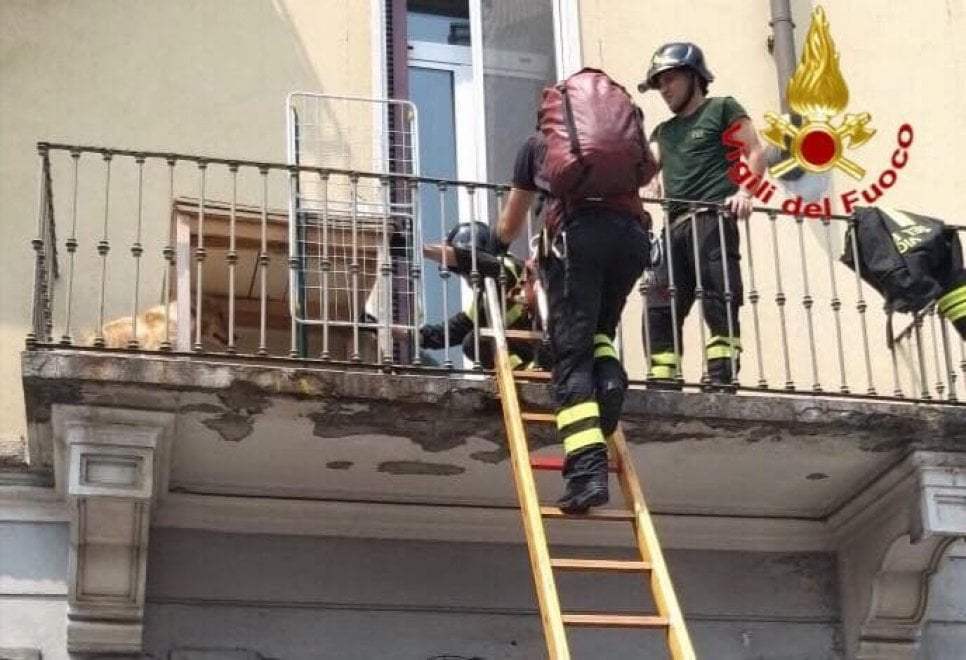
<point>674,56</point>
<point>461,236</point>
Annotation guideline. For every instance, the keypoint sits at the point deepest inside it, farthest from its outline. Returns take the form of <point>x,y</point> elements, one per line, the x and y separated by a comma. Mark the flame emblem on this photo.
<point>817,91</point>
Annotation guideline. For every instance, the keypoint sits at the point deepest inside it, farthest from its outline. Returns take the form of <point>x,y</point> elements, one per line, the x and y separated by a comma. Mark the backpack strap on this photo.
<point>571,123</point>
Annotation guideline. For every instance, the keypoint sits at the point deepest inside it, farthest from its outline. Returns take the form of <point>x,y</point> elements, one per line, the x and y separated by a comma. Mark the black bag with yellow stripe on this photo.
<point>912,260</point>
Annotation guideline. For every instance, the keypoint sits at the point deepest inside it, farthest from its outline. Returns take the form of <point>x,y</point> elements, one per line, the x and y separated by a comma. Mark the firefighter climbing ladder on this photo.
<point>669,617</point>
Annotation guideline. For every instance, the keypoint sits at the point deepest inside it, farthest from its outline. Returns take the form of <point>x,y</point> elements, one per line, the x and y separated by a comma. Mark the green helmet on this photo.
<point>675,56</point>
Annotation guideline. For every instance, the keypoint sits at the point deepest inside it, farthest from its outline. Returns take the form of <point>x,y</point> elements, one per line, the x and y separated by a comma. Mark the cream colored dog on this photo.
<point>151,328</point>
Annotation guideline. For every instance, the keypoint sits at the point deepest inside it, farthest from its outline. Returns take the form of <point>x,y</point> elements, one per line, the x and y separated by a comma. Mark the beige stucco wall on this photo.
<point>902,63</point>
<point>196,76</point>
<point>210,77</point>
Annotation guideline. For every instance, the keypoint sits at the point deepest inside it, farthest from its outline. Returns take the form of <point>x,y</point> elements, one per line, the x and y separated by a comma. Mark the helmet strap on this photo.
<point>691,86</point>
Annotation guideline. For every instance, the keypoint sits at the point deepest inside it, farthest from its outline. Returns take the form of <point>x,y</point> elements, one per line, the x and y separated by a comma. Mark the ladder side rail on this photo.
<point>665,598</point>
<point>543,578</point>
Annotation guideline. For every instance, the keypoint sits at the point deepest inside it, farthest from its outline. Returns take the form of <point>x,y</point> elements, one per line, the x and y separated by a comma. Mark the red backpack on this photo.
<point>595,138</point>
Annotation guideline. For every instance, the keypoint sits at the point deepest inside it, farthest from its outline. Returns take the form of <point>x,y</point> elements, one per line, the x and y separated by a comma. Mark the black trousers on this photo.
<point>602,253</point>
<point>713,266</point>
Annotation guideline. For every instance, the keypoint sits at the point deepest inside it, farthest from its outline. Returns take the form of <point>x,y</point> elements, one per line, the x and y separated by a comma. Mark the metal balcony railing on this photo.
<point>46,266</point>
<point>208,241</point>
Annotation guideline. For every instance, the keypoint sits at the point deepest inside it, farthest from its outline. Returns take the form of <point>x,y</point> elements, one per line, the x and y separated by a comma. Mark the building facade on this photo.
<point>290,479</point>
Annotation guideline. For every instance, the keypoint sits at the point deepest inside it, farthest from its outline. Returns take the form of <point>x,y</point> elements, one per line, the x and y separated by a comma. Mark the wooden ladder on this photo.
<point>669,617</point>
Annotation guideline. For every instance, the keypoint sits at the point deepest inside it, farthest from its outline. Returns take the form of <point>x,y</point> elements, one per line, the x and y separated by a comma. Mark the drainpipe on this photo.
<point>782,46</point>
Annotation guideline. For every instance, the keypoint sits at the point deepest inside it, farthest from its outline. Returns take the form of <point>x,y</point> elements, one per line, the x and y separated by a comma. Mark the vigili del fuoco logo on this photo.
<point>818,93</point>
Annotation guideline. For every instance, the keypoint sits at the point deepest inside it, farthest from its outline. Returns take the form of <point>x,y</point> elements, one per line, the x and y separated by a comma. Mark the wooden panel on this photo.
<point>248,230</point>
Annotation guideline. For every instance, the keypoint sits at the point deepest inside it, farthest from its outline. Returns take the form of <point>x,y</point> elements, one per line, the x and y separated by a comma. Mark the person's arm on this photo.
<point>433,336</point>
<point>654,187</point>
<point>441,254</point>
<point>461,260</point>
<point>741,202</point>
<point>514,216</point>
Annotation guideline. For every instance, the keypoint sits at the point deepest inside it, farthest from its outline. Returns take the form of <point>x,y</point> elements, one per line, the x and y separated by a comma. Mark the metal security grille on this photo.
<point>352,237</point>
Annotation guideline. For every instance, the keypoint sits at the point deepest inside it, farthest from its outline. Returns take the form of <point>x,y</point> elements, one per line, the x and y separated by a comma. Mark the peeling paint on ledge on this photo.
<point>420,468</point>
<point>232,427</point>
<point>245,398</point>
<point>492,457</point>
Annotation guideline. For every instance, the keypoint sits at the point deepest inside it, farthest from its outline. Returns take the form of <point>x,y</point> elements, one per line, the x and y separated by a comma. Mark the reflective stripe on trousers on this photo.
<point>953,304</point>
<point>604,347</point>
<point>664,365</point>
<point>579,426</point>
<point>723,347</point>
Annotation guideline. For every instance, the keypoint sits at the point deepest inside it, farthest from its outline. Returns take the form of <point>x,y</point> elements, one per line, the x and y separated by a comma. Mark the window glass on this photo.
<point>518,62</point>
<point>439,22</point>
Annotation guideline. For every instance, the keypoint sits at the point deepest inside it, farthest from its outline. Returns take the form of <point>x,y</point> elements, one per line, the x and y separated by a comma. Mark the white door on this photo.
<point>440,83</point>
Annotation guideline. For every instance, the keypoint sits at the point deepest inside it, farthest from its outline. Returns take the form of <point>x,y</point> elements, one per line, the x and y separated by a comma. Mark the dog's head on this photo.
<point>214,324</point>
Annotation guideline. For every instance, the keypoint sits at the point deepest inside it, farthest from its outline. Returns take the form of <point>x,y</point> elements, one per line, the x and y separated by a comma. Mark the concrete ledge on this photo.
<point>307,431</point>
<point>153,381</point>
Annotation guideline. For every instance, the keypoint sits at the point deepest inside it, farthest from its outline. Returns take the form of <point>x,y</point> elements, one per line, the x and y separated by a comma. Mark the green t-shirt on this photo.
<point>693,152</point>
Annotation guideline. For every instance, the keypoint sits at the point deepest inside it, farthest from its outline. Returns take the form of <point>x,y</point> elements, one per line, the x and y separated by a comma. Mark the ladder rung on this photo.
<point>610,515</point>
<point>635,566</point>
<point>514,334</point>
<point>615,620</point>
<point>531,374</point>
<point>556,463</point>
<point>544,418</point>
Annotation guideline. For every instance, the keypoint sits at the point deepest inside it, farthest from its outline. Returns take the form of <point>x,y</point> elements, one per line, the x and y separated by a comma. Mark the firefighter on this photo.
<point>913,260</point>
<point>952,301</point>
<point>456,253</point>
<point>952,305</point>
<point>596,250</point>
<point>691,152</point>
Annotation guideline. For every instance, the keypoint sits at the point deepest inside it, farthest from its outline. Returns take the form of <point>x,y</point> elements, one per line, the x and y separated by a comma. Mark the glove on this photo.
<point>495,246</point>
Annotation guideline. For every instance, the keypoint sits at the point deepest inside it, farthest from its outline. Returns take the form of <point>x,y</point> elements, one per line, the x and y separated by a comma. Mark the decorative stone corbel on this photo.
<point>892,539</point>
<point>110,464</point>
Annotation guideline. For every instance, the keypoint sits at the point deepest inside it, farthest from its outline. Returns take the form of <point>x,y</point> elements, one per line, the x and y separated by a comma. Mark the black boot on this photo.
<point>611,381</point>
<point>586,474</point>
<point>719,371</point>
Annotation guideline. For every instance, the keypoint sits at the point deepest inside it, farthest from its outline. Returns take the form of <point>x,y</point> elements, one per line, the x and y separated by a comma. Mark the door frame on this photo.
<point>458,61</point>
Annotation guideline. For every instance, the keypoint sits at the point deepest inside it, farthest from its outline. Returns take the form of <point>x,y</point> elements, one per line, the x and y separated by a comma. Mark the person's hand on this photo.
<point>495,244</point>
<point>740,204</point>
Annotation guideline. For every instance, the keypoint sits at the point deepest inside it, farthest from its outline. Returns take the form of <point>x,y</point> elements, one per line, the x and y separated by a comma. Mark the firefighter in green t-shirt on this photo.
<point>692,156</point>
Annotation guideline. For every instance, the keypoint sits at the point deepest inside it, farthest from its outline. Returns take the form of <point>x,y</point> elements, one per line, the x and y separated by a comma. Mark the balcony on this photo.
<point>298,400</point>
